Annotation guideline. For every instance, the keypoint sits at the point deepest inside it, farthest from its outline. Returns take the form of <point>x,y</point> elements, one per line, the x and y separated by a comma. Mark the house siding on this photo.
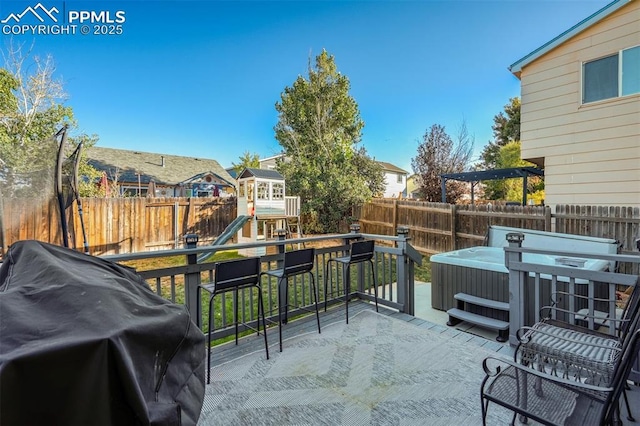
<point>591,152</point>
<point>392,187</point>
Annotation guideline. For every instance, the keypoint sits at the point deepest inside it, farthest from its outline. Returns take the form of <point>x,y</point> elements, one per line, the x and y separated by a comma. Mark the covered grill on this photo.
<point>85,341</point>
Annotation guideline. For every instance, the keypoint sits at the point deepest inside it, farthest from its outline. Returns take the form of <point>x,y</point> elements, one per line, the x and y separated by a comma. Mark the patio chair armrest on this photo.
<point>500,363</point>
<point>556,296</point>
<point>617,322</point>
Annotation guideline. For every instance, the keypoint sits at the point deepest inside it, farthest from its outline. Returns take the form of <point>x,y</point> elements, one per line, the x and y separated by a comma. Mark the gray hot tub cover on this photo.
<point>85,341</point>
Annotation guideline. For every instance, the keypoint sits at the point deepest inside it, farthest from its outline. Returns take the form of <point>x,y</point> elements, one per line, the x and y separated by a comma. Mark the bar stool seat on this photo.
<point>234,275</point>
<point>296,262</point>
<point>361,251</point>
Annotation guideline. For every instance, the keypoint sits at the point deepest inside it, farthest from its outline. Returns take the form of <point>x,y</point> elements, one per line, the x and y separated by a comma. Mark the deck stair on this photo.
<point>462,313</point>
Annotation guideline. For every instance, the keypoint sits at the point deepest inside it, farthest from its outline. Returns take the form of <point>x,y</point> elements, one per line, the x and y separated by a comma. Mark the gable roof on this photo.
<point>391,168</point>
<point>260,173</point>
<point>516,67</point>
<point>232,172</point>
<point>163,169</point>
<point>273,157</point>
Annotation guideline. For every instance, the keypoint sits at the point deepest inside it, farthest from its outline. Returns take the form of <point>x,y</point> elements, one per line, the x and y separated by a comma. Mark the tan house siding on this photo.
<point>591,152</point>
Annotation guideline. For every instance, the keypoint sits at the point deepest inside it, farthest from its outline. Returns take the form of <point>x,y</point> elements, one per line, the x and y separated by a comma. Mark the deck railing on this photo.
<point>598,283</point>
<point>394,260</point>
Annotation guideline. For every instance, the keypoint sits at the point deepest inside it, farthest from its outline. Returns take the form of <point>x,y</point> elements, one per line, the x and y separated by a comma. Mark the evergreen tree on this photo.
<point>506,129</point>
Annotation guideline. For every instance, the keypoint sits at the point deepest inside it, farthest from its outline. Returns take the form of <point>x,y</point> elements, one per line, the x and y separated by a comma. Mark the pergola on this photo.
<point>477,176</point>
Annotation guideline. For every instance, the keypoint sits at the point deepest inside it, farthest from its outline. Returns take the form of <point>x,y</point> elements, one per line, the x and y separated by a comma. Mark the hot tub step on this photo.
<point>479,301</point>
<point>456,315</point>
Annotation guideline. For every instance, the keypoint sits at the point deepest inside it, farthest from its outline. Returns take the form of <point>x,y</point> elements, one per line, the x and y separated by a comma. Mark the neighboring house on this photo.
<point>135,173</point>
<point>269,163</point>
<point>412,187</point>
<point>580,116</point>
<point>232,172</point>
<point>395,180</point>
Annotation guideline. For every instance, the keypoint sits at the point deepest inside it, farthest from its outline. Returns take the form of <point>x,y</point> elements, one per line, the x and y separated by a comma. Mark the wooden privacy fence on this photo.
<point>439,227</point>
<point>129,225</point>
<point>118,225</point>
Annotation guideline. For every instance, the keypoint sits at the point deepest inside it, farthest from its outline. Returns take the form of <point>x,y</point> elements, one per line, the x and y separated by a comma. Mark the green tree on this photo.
<point>247,160</point>
<point>506,129</point>
<point>32,111</point>
<point>508,157</point>
<point>319,128</point>
<point>438,154</point>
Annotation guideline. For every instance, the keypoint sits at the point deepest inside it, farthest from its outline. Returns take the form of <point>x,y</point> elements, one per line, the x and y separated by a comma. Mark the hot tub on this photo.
<point>492,259</point>
<point>481,271</point>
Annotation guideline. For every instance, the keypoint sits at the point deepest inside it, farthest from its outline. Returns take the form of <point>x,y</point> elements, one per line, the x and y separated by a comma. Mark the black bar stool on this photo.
<point>234,275</point>
<point>297,262</point>
<point>361,251</point>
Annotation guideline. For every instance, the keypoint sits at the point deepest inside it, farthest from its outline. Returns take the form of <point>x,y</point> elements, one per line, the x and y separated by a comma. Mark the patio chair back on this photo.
<point>361,251</point>
<point>299,261</point>
<point>236,274</point>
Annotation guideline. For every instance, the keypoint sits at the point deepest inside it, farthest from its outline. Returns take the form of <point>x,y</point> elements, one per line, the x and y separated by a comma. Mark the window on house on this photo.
<point>263,190</point>
<point>611,76</point>
<point>399,178</point>
<point>261,228</point>
<point>241,190</point>
<point>250,190</point>
<point>278,191</point>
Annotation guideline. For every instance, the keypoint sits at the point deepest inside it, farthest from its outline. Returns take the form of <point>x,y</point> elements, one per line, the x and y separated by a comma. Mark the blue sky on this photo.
<point>200,78</point>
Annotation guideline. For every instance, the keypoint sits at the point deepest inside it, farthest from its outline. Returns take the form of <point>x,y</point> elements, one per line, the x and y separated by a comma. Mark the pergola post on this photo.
<point>444,189</point>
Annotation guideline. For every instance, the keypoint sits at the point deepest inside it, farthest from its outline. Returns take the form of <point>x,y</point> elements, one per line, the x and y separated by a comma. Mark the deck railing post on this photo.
<point>516,287</point>
<point>404,280</point>
<point>192,281</point>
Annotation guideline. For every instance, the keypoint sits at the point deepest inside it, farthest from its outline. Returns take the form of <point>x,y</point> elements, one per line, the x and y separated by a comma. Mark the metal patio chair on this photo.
<point>575,352</point>
<point>553,400</point>
<point>234,275</point>
<point>360,252</point>
<point>296,263</point>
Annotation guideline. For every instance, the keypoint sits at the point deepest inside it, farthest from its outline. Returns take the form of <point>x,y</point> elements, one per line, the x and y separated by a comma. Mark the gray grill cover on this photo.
<point>85,341</point>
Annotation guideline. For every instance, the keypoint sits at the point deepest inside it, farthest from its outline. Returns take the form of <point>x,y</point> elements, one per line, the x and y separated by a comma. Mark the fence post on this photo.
<point>192,281</point>
<point>516,287</point>
<point>395,215</point>
<point>404,284</point>
<point>453,226</point>
<point>547,218</point>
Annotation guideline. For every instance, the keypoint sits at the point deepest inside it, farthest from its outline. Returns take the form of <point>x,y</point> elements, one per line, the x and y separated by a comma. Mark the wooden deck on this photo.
<point>229,351</point>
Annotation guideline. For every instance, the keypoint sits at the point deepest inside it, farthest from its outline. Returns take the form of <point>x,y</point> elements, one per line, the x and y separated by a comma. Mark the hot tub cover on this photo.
<point>85,341</point>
